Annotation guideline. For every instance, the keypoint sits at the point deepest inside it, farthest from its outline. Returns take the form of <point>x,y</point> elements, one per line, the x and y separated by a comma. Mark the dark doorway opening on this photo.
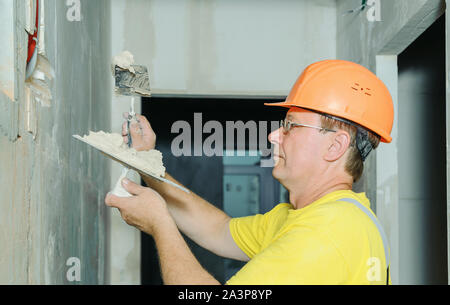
<point>422,159</point>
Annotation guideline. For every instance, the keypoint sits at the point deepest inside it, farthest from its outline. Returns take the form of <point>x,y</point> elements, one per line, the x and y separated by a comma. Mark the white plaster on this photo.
<point>149,162</point>
<point>125,60</point>
<point>119,190</point>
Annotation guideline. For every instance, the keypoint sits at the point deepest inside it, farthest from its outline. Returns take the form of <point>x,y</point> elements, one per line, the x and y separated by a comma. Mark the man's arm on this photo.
<point>147,211</point>
<point>201,221</point>
<point>178,265</point>
<point>205,224</point>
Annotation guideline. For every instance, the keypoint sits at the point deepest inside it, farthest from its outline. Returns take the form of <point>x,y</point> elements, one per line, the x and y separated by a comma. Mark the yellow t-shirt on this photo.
<point>326,242</point>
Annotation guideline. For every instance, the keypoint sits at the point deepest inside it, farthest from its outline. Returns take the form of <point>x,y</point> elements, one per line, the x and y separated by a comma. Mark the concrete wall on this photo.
<point>253,47</point>
<point>53,186</point>
<point>376,44</point>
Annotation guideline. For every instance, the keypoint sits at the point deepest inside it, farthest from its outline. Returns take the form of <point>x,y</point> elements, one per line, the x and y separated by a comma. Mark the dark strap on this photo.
<point>387,276</point>
<point>379,227</point>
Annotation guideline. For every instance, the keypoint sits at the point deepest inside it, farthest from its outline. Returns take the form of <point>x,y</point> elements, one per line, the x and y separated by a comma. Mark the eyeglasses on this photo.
<point>287,125</point>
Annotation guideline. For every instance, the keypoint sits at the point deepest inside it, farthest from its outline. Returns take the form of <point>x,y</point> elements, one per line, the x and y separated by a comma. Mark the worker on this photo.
<point>337,113</point>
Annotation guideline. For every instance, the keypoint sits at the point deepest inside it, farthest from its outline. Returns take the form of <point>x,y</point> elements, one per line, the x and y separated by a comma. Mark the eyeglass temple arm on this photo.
<point>304,125</point>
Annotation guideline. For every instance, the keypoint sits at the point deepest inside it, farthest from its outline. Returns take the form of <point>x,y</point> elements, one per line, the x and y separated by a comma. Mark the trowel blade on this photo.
<point>131,166</point>
<point>129,83</point>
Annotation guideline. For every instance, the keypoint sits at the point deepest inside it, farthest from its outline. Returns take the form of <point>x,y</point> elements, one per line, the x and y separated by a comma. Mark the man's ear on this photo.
<point>338,145</point>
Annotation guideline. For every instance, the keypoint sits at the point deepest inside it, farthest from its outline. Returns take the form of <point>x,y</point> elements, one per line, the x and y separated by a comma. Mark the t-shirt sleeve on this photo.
<point>300,256</point>
<point>248,232</point>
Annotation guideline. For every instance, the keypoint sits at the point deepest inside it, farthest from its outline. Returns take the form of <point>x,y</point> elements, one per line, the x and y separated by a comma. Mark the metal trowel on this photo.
<point>131,80</point>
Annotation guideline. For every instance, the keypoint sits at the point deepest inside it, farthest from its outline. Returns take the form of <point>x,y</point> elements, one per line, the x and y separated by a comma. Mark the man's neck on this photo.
<point>303,198</point>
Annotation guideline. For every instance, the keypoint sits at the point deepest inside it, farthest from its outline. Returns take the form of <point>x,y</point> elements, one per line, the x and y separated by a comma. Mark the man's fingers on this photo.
<point>113,201</point>
<point>125,132</point>
<point>131,187</point>
<point>136,134</point>
<point>134,131</point>
<point>145,124</point>
<point>141,132</point>
<point>142,124</point>
<point>143,120</point>
<point>124,129</point>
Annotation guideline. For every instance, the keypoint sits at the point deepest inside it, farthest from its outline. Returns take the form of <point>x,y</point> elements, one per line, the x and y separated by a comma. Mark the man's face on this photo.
<point>298,151</point>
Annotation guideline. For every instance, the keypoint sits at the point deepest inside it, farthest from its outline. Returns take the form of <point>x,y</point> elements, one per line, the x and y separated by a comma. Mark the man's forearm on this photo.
<point>169,192</point>
<point>197,218</point>
<point>178,265</point>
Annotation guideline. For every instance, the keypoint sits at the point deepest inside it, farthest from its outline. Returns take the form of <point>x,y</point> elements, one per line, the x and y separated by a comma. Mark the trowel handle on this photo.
<point>131,116</point>
<point>129,133</point>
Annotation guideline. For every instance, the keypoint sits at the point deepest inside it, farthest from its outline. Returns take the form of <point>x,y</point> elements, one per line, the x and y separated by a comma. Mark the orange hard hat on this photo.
<point>345,90</point>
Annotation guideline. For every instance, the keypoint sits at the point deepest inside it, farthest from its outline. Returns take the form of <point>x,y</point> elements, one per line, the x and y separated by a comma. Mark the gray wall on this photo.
<point>52,186</point>
<point>233,47</point>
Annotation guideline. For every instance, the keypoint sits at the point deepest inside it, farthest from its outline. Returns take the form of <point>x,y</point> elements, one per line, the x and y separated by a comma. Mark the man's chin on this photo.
<point>276,171</point>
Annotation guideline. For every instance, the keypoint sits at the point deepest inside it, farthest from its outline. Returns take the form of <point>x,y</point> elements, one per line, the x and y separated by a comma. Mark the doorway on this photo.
<point>422,159</point>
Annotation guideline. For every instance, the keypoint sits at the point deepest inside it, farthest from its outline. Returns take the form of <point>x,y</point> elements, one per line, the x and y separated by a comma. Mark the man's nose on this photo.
<point>275,136</point>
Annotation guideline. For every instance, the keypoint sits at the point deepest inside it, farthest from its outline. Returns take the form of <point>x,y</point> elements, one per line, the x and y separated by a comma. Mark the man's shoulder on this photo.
<point>282,207</point>
<point>278,214</point>
<point>279,210</point>
<point>332,214</point>
<point>344,203</point>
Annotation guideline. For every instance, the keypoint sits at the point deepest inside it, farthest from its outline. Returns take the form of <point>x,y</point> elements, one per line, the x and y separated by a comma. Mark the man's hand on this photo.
<point>146,210</point>
<point>142,135</point>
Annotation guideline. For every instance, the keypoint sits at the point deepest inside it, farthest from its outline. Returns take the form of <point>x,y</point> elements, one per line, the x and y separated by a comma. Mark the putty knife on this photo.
<point>134,82</point>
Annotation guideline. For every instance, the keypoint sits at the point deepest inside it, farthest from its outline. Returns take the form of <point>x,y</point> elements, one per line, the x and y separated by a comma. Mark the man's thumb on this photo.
<point>131,187</point>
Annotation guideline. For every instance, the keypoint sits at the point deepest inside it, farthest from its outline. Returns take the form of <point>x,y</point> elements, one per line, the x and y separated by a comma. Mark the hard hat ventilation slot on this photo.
<point>357,87</point>
<point>361,89</point>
